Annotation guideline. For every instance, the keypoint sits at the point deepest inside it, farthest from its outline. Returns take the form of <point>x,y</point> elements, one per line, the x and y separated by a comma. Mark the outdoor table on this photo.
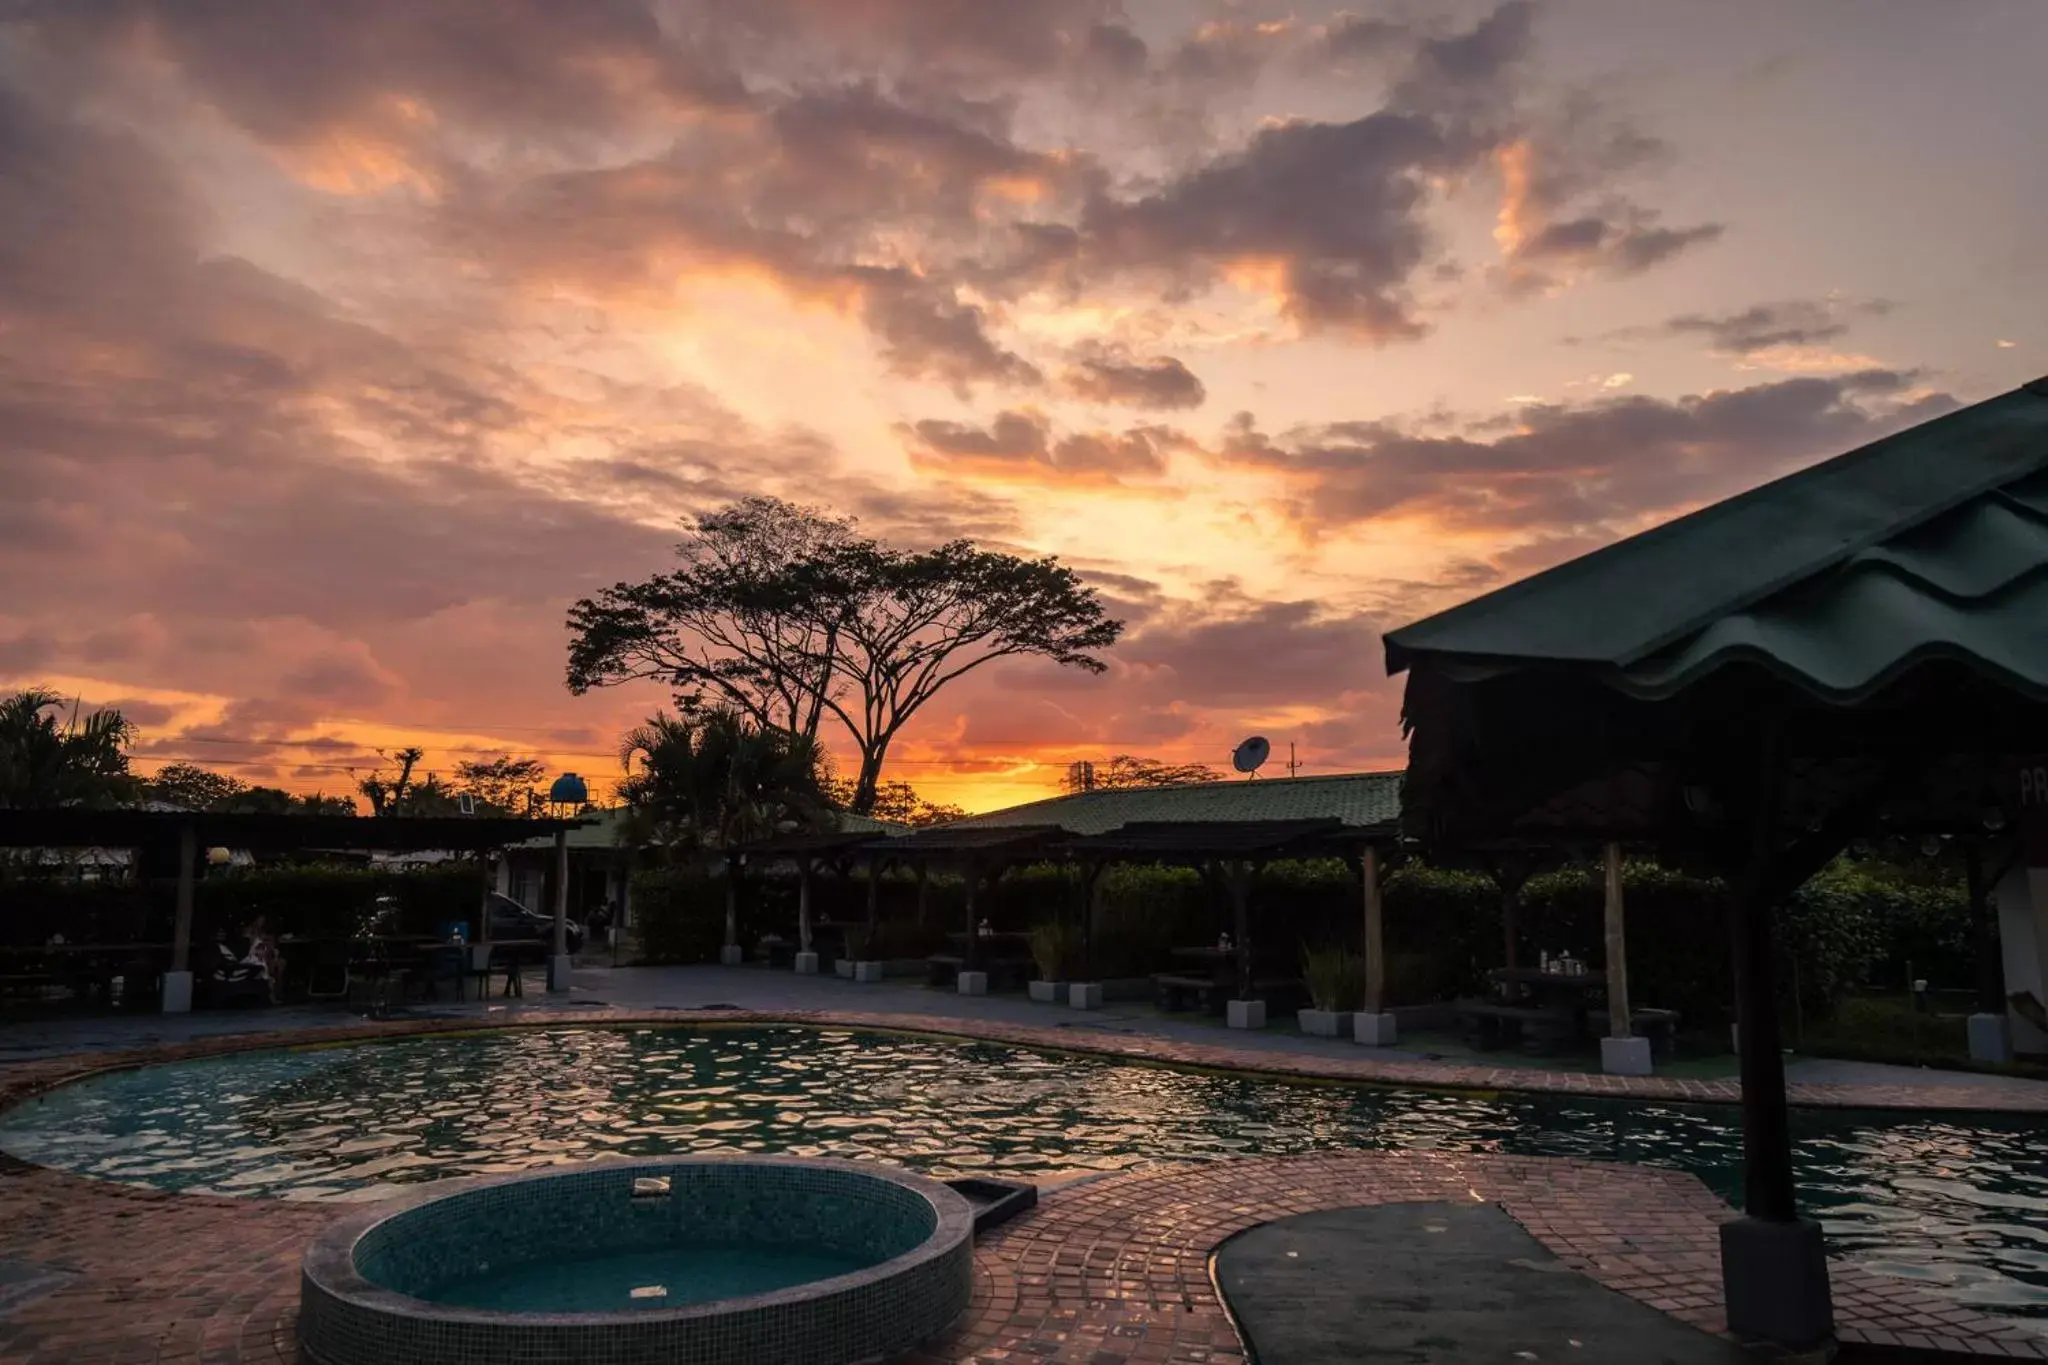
<point>1554,992</point>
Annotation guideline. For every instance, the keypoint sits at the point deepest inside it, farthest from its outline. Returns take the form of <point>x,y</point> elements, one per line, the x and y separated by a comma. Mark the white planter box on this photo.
<point>1324,1023</point>
<point>1625,1056</point>
<point>844,967</point>
<point>974,983</point>
<point>865,971</point>
<point>806,964</point>
<point>1247,1014</point>
<point>1085,995</point>
<point>1373,1030</point>
<point>1048,992</point>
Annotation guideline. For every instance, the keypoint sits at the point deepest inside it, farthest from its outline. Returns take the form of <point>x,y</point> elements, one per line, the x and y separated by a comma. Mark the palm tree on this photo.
<point>76,763</point>
<point>714,780</point>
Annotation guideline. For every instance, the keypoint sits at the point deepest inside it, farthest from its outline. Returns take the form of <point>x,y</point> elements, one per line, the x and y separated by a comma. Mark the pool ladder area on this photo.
<point>995,1201</point>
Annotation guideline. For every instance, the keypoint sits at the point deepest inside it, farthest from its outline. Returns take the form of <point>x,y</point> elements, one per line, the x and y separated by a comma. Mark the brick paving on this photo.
<point>1112,1271</point>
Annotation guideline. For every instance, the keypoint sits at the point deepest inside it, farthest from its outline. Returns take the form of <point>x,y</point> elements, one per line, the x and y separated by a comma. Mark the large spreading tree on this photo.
<point>787,615</point>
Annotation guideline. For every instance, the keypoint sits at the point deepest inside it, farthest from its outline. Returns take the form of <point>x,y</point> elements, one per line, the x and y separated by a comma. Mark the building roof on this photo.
<point>1358,799</point>
<point>1929,544</point>
<point>1216,839</point>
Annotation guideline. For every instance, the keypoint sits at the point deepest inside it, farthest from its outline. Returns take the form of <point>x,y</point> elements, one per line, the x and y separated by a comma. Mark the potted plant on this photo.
<point>1052,952</point>
<point>1335,978</point>
<point>862,960</point>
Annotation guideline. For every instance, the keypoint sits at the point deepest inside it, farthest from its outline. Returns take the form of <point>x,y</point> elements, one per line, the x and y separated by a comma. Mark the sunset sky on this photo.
<point>342,346</point>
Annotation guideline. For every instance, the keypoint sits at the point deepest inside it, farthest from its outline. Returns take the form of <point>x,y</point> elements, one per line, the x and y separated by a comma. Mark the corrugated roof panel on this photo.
<point>1622,603</point>
<point>1972,552</point>
<point>1353,798</point>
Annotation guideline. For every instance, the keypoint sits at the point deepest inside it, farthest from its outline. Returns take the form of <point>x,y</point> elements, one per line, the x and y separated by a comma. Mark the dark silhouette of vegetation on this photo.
<point>1126,771</point>
<point>716,780</point>
<point>786,615</point>
<point>196,788</point>
<point>49,758</point>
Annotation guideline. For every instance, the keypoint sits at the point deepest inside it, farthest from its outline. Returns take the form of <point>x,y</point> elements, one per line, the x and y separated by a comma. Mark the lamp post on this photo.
<point>565,797</point>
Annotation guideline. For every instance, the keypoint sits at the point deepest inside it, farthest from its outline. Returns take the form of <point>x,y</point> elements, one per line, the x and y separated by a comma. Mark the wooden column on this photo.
<point>1375,932</point>
<point>1239,877</point>
<point>1619,1024</point>
<point>924,887</point>
<point>188,869</point>
<point>561,893</point>
<point>803,904</point>
<point>874,898</point>
<point>1766,1119</point>
<point>970,956</point>
<point>732,902</point>
<point>1510,897</point>
<point>1091,916</point>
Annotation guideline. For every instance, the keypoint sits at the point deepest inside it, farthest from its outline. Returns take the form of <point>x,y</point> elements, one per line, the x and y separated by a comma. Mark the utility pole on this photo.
<point>1292,766</point>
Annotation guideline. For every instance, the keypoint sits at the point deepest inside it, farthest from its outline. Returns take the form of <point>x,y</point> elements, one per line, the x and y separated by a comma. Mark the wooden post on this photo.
<point>181,934</point>
<point>969,957</point>
<point>1510,895</point>
<point>1375,933</point>
<point>1766,1120</point>
<point>924,887</point>
<point>803,904</point>
<point>1091,915</point>
<point>874,898</point>
<point>732,901</point>
<point>1240,879</point>
<point>1619,1024</point>
<point>561,893</point>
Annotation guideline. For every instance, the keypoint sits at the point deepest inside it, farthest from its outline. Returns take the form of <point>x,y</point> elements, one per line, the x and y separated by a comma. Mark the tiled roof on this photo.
<point>1363,799</point>
<point>1930,544</point>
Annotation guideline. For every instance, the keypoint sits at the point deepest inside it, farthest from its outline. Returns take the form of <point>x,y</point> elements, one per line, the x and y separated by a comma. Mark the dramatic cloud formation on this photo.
<point>341,347</point>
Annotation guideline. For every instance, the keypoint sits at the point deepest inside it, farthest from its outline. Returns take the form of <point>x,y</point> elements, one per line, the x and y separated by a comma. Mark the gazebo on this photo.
<point>1858,648</point>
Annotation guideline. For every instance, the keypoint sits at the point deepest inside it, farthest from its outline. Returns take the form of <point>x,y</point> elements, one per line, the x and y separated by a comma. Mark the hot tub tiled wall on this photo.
<point>363,1295</point>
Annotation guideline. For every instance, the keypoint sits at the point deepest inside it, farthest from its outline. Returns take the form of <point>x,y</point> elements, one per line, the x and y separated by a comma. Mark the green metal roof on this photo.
<point>1929,544</point>
<point>1353,798</point>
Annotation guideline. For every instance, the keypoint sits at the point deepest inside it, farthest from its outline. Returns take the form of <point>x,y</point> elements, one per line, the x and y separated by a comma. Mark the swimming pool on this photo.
<point>1959,1202</point>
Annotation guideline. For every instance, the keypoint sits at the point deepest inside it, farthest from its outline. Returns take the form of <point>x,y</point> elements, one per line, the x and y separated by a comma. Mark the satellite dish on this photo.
<point>1247,756</point>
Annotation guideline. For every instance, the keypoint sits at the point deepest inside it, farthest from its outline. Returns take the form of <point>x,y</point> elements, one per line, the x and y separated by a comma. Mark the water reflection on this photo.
<point>1960,1204</point>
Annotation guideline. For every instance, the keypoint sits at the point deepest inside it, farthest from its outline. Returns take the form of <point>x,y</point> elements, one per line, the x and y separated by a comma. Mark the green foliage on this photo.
<point>679,914</point>
<point>1055,950</point>
<point>1334,977</point>
<point>504,785</point>
<point>716,780</point>
<point>1126,771</point>
<point>48,759</point>
<point>312,901</point>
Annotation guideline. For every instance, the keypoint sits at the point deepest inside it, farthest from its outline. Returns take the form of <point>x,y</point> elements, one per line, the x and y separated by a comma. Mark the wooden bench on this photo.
<point>1489,1025</point>
<point>1174,992</point>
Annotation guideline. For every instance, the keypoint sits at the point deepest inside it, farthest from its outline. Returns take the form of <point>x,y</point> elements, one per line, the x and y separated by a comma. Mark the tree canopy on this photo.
<point>714,780</point>
<point>50,759</point>
<point>1126,771</point>
<point>786,615</point>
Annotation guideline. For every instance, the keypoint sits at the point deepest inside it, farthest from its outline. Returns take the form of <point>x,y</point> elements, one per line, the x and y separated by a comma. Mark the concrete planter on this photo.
<point>731,955</point>
<point>973,983</point>
<point>865,971</point>
<point>1625,1056</point>
<point>1324,1023</point>
<point>1085,995</point>
<point>844,967</point>
<point>1247,1014</point>
<point>1048,992</point>
<point>806,964</point>
<point>177,993</point>
<point>1373,1030</point>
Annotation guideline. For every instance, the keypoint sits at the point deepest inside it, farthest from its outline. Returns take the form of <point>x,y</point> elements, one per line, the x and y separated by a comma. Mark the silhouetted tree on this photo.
<point>47,759</point>
<point>1126,771</point>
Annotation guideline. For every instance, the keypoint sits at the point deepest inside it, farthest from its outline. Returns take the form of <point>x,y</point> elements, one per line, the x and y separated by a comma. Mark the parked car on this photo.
<point>510,919</point>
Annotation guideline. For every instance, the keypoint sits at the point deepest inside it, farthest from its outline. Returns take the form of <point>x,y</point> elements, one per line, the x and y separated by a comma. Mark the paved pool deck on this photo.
<point>1110,1270</point>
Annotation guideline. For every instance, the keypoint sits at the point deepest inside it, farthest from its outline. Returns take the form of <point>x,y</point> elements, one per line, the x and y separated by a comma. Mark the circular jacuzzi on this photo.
<point>709,1259</point>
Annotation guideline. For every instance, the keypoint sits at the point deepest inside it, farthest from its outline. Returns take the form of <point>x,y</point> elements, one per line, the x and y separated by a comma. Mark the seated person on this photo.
<point>262,950</point>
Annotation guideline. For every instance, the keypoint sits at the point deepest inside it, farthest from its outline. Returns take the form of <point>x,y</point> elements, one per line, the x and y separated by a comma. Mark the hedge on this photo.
<point>1443,929</point>
<point>311,901</point>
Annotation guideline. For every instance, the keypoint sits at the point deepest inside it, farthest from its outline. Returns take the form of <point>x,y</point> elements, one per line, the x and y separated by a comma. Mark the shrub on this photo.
<point>679,915</point>
<point>1334,977</point>
<point>1055,949</point>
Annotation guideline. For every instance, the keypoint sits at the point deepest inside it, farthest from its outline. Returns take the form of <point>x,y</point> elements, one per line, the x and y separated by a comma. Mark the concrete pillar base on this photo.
<point>1774,1278</point>
<point>731,955</point>
<point>1990,1038</point>
<point>867,971</point>
<point>1625,1056</point>
<point>1085,995</point>
<point>558,974</point>
<point>177,992</point>
<point>1046,992</point>
<point>974,983</point>
<point>806,964</point>
<point>1247,1014</point>
<point>1373,1030</point>
<point>843,967</point>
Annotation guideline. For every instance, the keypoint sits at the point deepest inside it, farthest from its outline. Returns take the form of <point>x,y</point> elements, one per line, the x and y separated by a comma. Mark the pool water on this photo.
<point>1958,1202</point>
<point>667,1278</point>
